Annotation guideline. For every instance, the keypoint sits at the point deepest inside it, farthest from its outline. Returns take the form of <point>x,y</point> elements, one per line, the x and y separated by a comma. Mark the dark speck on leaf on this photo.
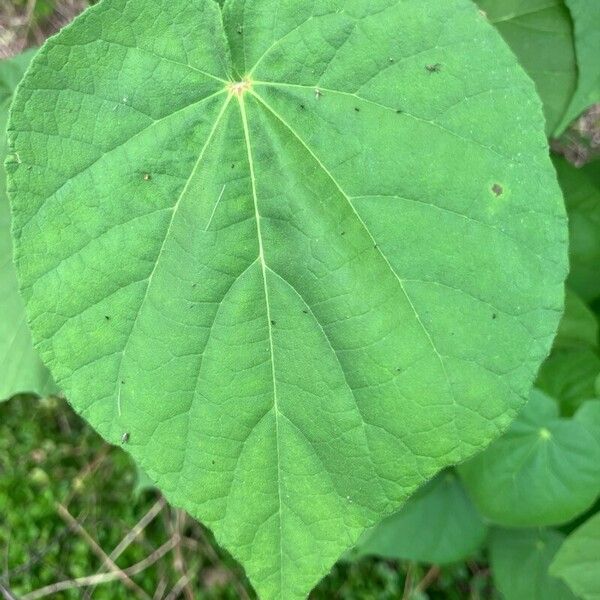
<point>434,68</point>
<point>305,312</point>
<point>272,322</point>
<point>343,233</point>
<point>494,316</point>
<point>302,106</point>
<point>122,382</point>
<point>107,317</point>
<point>125,438</point>
<point>497,189</point>
<point>233,166</point>
<point>398,111</point>
<point>240,29</point>
<point>357,109</point>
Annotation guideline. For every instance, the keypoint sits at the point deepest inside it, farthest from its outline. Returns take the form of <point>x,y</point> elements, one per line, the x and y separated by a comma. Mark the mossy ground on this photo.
<point>52,462</point>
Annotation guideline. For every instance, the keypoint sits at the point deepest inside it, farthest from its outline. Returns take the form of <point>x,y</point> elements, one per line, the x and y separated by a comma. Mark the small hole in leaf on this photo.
<point>497,189</point>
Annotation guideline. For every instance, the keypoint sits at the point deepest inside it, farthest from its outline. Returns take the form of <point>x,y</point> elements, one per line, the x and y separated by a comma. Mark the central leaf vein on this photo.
<point>263,267</point>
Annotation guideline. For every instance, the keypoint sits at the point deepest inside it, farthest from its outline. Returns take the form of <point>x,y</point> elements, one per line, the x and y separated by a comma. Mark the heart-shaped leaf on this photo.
<point>578,560</point>
<point>296,255</point>
<point>520,560</point>
<point>21,369</point>
<point>545,470</point>
<point>438,525</point>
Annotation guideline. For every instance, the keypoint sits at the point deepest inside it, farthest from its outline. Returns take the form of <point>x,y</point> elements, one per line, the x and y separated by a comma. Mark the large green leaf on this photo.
<point>586,21</point>
<point>439,525</point>
<point>520,561</point>
<point>20,367</point>
<point>304,264</point>
<point>540,33</point>
<point>544,470</point>
<point>581,188</point>
<point>578,560</point>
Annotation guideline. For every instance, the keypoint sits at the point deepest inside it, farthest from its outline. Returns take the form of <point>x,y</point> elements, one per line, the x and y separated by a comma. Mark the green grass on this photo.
<point>49,458</point>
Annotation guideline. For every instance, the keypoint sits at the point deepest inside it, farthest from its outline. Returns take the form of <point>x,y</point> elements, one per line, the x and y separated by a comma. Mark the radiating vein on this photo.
<point>366,229</point>
<point>164,243</point>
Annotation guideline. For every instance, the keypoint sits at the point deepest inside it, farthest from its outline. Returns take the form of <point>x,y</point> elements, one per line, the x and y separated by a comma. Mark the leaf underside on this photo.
<point>301,295</point>
<point>21,370</point>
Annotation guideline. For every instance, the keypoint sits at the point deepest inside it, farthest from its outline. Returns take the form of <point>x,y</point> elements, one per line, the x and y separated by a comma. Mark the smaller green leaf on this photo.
<point>142,481</point>
<point>540,33</point>
<point>520,561</point>
<point>578,560</point>
<point>578,326</point>
<point>544,471</point>
<point>586,19</point>
<point>581,190</point>
<point>21,369</point>
<point>439,525</point>
<point>569,375</point>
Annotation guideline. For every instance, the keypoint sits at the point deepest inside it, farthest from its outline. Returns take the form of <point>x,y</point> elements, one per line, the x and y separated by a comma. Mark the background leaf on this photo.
<point>545,470</point>
<point>586,16</point>
<point>569,375</point>
<point>21,369</point>
<point>520,561</point>
<point>581,188</point>
<point>438,525</point>
<point>540,33</point>
<point>578,560</point>
<point>299,295</point>
<point>579,326</point>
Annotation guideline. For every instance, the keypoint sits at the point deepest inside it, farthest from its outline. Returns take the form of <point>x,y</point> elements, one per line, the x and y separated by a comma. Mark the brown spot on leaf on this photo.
<point>497,189</point>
